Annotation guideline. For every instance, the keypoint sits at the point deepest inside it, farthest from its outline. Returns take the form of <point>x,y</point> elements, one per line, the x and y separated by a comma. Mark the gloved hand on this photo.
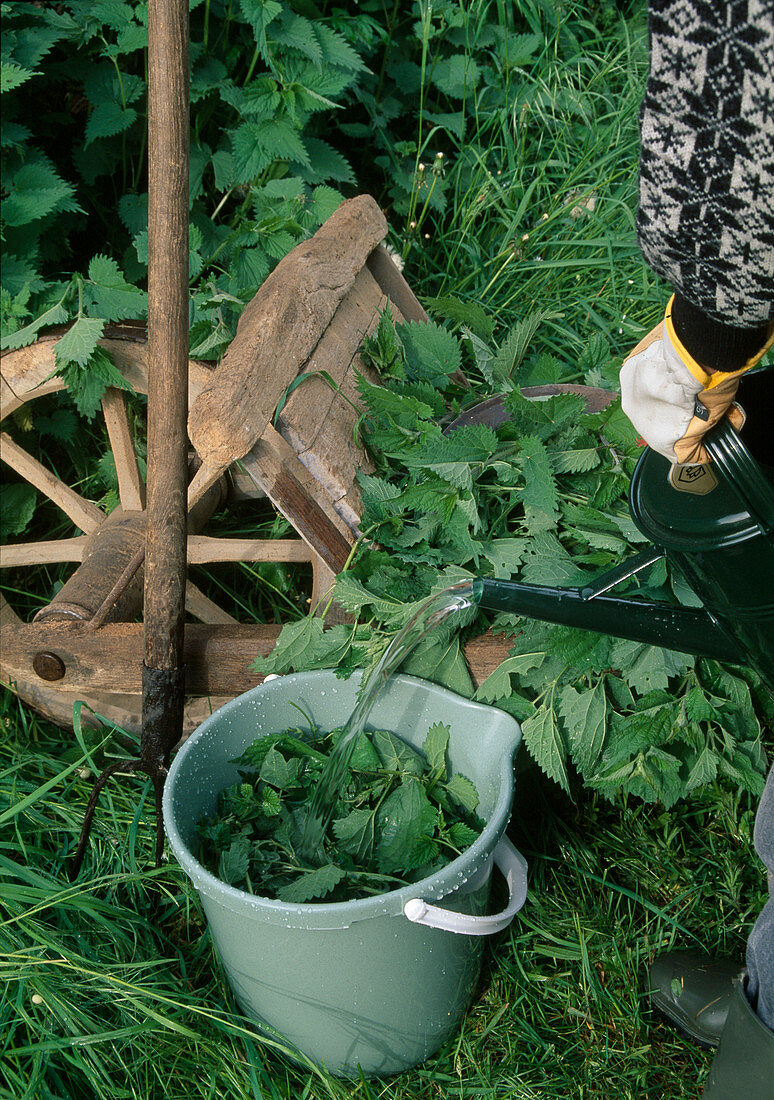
<point>671,400</point>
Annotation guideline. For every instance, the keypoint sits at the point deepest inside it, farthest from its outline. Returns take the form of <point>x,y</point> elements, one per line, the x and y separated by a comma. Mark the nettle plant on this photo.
<point>263,75</point>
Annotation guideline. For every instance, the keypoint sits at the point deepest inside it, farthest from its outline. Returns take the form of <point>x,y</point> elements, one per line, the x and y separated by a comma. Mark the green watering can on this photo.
<point>715,525</point>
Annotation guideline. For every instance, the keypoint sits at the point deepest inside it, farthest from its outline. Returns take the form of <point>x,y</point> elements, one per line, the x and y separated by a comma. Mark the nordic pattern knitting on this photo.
<point>706,209</point>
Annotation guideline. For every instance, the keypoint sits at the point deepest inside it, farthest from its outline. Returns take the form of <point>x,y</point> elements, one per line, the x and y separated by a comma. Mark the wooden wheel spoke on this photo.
<point>203,549</point>
<point>203,608</point>
<point>131,488</point>
<point>42,553</point>
<point>83,513</point>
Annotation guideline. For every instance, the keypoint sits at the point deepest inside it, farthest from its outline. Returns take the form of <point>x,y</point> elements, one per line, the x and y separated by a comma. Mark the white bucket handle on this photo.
<point>513,866</point>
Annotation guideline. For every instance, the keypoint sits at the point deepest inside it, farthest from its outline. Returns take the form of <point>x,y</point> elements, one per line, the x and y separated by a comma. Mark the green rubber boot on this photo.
<point>743,1068</point>
<point>694,993</point>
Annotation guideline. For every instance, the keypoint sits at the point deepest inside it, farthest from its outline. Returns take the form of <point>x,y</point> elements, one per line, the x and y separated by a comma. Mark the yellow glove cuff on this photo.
<point>708,381</point>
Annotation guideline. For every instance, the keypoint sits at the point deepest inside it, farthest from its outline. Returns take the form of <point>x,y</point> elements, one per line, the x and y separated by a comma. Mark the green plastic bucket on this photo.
<point>374,985</point>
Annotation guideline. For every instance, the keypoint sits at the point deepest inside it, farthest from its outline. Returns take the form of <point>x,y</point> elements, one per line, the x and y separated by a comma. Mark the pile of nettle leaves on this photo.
<point>543,499</point>
<point>399,817</point>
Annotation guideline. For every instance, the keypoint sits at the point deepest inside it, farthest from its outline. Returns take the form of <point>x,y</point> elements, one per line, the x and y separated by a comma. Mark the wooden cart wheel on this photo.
<point>103,543</point>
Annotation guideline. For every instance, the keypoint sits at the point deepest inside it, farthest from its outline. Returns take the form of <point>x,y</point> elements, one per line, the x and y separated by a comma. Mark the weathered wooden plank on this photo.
<point>318,421</point>
<point>279,329</point>
<point>485,653</point>
<point>306,410</point>
<point>292,490</point>
<point>218,658</point>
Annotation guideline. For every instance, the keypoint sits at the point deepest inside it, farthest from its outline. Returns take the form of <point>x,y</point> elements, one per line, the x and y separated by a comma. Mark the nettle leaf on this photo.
<point>279,772</point>
<point>313,885</point>
<point>234,861</point>
<point>296,32</point>
<point>364,756</point>
<point>306,644</point>
<point>133,211</point>
<point>34,191</point>
<point>585,717</point>
<point>432,352</point>
<point>396,754</point>
<point>547,562</point>
<point>632,733</point>
<point>80,342</point>
<point>108,119</point>
<point>516,50</point>
<point>539,491</point>
<point>468,314</point>
<point>356,831</point>
<point>110,295</point>
<point>337,51</point>
<point>87,383</point>
<point>702,769</point>
<point>574,461</point>
<point>461,790</point>
<point>648,668</point>
<point>377,495</point>
<point>443,662</point>
<point>498,684</point>
<point>504,366</point>
<point>256,101</point>
<point>545,742</point>
<point>325,201</point>
<point>435,746</point>
<point>505,556</point>
<point>699,707</point>
<point>456,76</point>
<point>280,140</point>
<point>653,776</point>
<point>260,14</point>
<point>13,75</point>
<point>405,819</point>
<point>250,157</point>
<point>18,509</point>
<point>324,163</point>
<point>63,425</point>
<point>354,596</point>
<point>462,836</point>
<point>57,315</point>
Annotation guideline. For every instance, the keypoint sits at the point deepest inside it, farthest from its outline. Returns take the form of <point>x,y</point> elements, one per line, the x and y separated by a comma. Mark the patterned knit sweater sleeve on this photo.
<point>706,205</point>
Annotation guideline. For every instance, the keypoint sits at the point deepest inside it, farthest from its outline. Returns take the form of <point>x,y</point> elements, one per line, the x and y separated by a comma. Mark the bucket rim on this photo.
<point>341,914</point>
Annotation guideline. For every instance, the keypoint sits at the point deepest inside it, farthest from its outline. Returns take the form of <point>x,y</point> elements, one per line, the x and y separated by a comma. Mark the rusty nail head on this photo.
<point>48,666</point>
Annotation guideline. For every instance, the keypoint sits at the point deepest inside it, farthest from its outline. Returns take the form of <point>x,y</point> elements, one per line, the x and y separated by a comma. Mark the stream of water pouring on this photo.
<point>430,615</point>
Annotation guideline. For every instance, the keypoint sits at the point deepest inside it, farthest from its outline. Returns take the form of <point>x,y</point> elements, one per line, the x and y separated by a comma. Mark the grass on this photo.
<point>112,987</point>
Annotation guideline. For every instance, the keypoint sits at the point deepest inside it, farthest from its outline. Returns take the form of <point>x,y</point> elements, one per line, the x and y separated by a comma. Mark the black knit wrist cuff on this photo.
<point>713,345</point>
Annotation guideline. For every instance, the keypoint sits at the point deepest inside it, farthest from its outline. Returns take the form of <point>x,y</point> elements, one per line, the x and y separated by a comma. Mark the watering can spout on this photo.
<point>686,629</point>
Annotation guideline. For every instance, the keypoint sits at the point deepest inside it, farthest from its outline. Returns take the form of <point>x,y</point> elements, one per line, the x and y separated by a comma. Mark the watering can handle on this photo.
<point>742,472</point>
<point>513,866</point>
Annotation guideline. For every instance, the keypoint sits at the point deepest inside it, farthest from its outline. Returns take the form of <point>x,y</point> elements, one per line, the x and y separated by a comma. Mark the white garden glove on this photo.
<point>671,400</point>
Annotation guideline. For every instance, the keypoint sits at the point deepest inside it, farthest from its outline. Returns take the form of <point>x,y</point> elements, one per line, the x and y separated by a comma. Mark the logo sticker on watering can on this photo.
<point>698,479</point>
